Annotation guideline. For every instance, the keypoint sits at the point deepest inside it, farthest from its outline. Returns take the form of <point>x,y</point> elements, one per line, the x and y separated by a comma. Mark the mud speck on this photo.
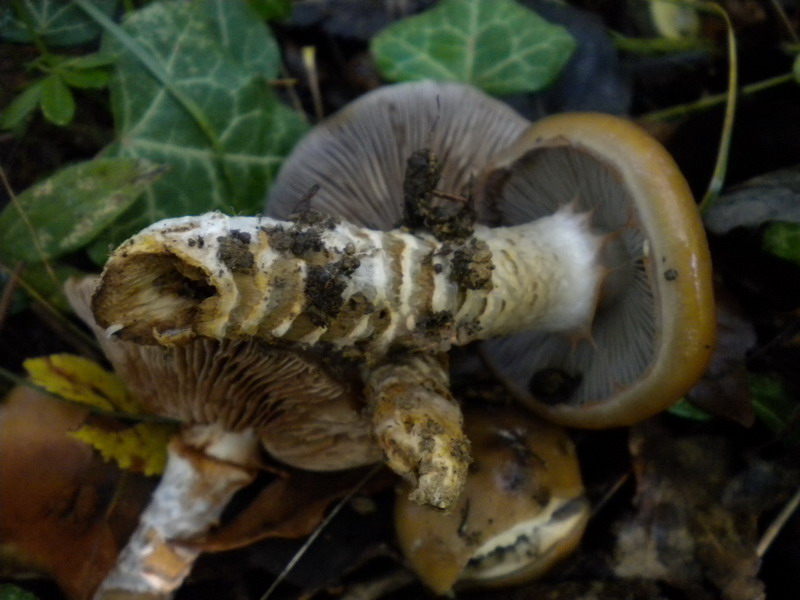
<point>472,265</point>
<point>437,325</point>
<point>234,252</point>
<point>324,287</point>
<point>446,216</point>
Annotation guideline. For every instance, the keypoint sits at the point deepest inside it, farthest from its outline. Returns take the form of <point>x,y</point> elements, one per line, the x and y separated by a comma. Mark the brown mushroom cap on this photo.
<point>653,331</point>
<point>358,156</point>
<point>522,509</point>
<point>303,413</point>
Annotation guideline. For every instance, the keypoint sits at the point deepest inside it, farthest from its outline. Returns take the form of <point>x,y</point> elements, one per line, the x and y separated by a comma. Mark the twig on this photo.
<point>682,110</point>
<point>8,292</point>
<point>611,492</point>
<point>775,527</point>
<point>312,538</point>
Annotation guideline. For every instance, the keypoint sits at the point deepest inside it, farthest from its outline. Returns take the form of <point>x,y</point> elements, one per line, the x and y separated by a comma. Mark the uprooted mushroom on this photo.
<point>233,397</point>
<point>586,272</point>
<point>523,508</point>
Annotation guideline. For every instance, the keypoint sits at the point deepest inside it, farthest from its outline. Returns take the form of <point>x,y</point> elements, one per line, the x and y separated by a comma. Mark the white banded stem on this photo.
<point>324,280</point>
<point>194,490</point>
<point>418,424</point>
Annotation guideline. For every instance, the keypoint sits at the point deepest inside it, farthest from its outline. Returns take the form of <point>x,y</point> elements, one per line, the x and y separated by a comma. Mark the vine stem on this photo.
<point>682,110</point>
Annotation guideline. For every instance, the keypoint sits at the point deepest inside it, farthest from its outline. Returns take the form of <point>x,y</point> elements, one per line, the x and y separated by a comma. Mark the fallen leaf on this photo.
<point>291,506</point>
<point>135,446</point>
<point>57,494</point>
<point>684,532</point>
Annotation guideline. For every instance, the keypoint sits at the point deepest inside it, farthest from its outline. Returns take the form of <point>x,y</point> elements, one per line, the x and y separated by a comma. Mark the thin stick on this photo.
<point>8,292</point>
<point>775,527</point>
<point>69,331</point>
<point>312,538</point>
<point>611,492</point>
<point>776,6</point>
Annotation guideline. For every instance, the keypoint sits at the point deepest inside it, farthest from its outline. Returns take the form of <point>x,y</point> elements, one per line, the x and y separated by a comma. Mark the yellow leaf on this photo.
<point>141,447</point>
<point>81,380</point>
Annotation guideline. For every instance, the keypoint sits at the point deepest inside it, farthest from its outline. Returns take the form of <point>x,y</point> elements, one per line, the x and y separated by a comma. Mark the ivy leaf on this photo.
<point>498,46</point>
<point>67,210</point>
<point>196,96</point>
<point>54,22</point>
<point>139,447</point>
<point>58,105</point>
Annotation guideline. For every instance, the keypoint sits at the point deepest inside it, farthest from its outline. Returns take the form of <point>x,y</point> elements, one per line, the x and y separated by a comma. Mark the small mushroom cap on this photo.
<point>304,414</point>
<point>653,331</point>
<point>522,509</point>
<point>358,156</point>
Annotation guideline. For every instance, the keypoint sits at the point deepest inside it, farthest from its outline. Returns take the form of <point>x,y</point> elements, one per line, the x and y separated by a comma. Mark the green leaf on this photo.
<point>91,61</point>
<point>796,68</point>
<point>686,410</point>
<point>774,405</point>
<point>496,45</point>
<point>68,210</point>
<point>55,22</point>
<point>272,10</point>
<point>47,280</point>
<point>783,240</point>
<point>220,57</point>
<point>12,592</point>
<point>86,78</point>
<point>22,106</point>
<point>58,105</point>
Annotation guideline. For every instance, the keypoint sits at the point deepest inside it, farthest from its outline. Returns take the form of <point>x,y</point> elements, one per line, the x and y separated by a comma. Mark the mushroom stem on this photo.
<point>418,425</point>
<point>330,281</point>
<point>195,488</point>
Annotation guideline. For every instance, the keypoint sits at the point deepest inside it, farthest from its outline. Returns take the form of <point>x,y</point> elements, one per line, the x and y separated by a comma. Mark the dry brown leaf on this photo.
<point>289,507</point>
<point>57,493</point>
<point>684,534</point>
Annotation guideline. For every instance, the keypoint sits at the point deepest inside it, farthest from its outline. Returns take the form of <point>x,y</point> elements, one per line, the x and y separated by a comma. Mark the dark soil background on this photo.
<point>759,298</point>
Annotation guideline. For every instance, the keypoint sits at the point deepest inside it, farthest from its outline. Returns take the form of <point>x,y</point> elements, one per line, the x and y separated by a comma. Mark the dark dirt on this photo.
<point>472,265</point>
<point>234,252</point>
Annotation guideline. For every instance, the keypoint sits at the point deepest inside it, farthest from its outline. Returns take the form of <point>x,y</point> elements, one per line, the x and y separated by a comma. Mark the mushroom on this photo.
<point>653,329</point>
<point>353,165</point>
<point>232,397</point>
<point>595,230</point>
<point>523,508</point>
